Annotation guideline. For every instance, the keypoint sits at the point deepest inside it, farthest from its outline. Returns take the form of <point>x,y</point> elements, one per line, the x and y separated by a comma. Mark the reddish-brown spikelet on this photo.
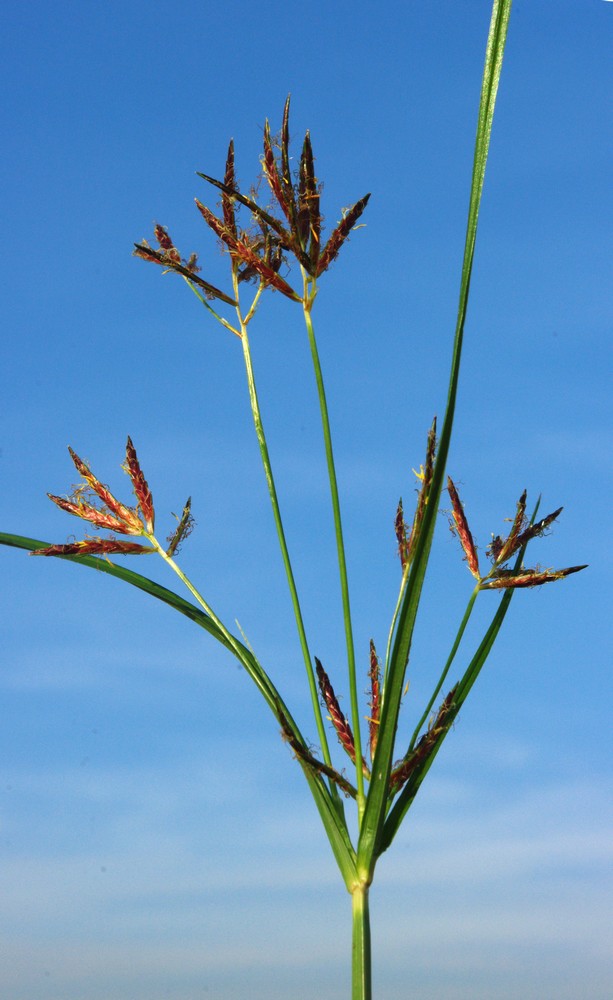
<point>163,237</point>
<point>240,249</point>
<point>375,699</point>
<point>340,234</point>
<point>462,530</point>
<point>284,197</point>
<point>424,491</point>
<point>129,517</point>
<point>403,535</point>
<point>260,213</point>
<point>528,578</point>
<point>403,771</point>
<point>499,549</point>
<point>338,720</point>
<point>140,486</point>
<point>94,546</point>
<point>504,550</point>
<point>312,762</point>
<point>99,518</point>
<point>145,252</point>
<point>286,237</point>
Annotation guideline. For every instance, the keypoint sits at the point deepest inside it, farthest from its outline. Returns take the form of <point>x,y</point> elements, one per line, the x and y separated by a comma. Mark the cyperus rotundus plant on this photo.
<point>266,246</point>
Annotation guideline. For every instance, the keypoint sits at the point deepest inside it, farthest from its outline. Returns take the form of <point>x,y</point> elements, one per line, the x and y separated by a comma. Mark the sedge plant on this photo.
<point>279,246</point>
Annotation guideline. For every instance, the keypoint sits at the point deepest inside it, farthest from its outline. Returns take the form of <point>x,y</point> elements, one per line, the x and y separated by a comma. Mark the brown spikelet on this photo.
<point>309,760</point>
<point>460,526</point>
<point>129,517</point>
<point>375,699</point>
<point>506,580</point>
<point>183,529</point>
<point>140,486</point>
<point>260,213</point>
<point>99,518</point>
<point>403,535</point>
<point>338,720</point>
<point>94,546</point>
<point>239,248</point>
<point>163,237</point>
<point>340,234</point>
<point>403,771</point>
<point>283,194</point>
<point>537,529</point>
<point>145,252</point>
<point>500,550</point>
<point>425,476</point>
<point>508,547</point>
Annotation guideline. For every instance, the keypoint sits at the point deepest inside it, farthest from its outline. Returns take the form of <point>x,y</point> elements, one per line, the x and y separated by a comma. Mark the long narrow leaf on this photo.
<point>371,842</point>
<point>335,827</point>
<point>406,797</point>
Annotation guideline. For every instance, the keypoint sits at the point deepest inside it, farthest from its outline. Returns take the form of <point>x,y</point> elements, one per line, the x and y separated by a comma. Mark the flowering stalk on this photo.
<point>340,545</point>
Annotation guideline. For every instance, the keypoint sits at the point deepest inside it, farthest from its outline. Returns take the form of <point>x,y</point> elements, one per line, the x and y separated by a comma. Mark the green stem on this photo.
<point>274,500</point>
<point>340,546</point>
<point>361,979</point>
<point>450,659</point>
<point>231,640</point>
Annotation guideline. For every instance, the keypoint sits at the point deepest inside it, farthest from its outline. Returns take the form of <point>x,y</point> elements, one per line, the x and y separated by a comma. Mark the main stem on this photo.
<point>361,979</point>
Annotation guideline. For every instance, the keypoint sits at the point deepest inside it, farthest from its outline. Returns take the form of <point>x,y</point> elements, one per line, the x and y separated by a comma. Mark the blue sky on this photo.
<point>157,839</point>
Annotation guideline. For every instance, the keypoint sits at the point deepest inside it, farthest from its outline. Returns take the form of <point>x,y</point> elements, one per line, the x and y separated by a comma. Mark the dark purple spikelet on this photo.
<point>537,529</point>
<point>286,173</point>
<point>185,268</point>
<point>94,547</point>
<point>227,201</point>
<point>340,234</point>
<point>338,720</point>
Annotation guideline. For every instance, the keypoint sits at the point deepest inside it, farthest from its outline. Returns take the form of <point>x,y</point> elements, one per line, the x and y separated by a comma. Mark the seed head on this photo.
<point>338,720</point>
<point>140,486</point>
<point>375,699</point>
<point>94,547</point>
<point>460,527</point>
